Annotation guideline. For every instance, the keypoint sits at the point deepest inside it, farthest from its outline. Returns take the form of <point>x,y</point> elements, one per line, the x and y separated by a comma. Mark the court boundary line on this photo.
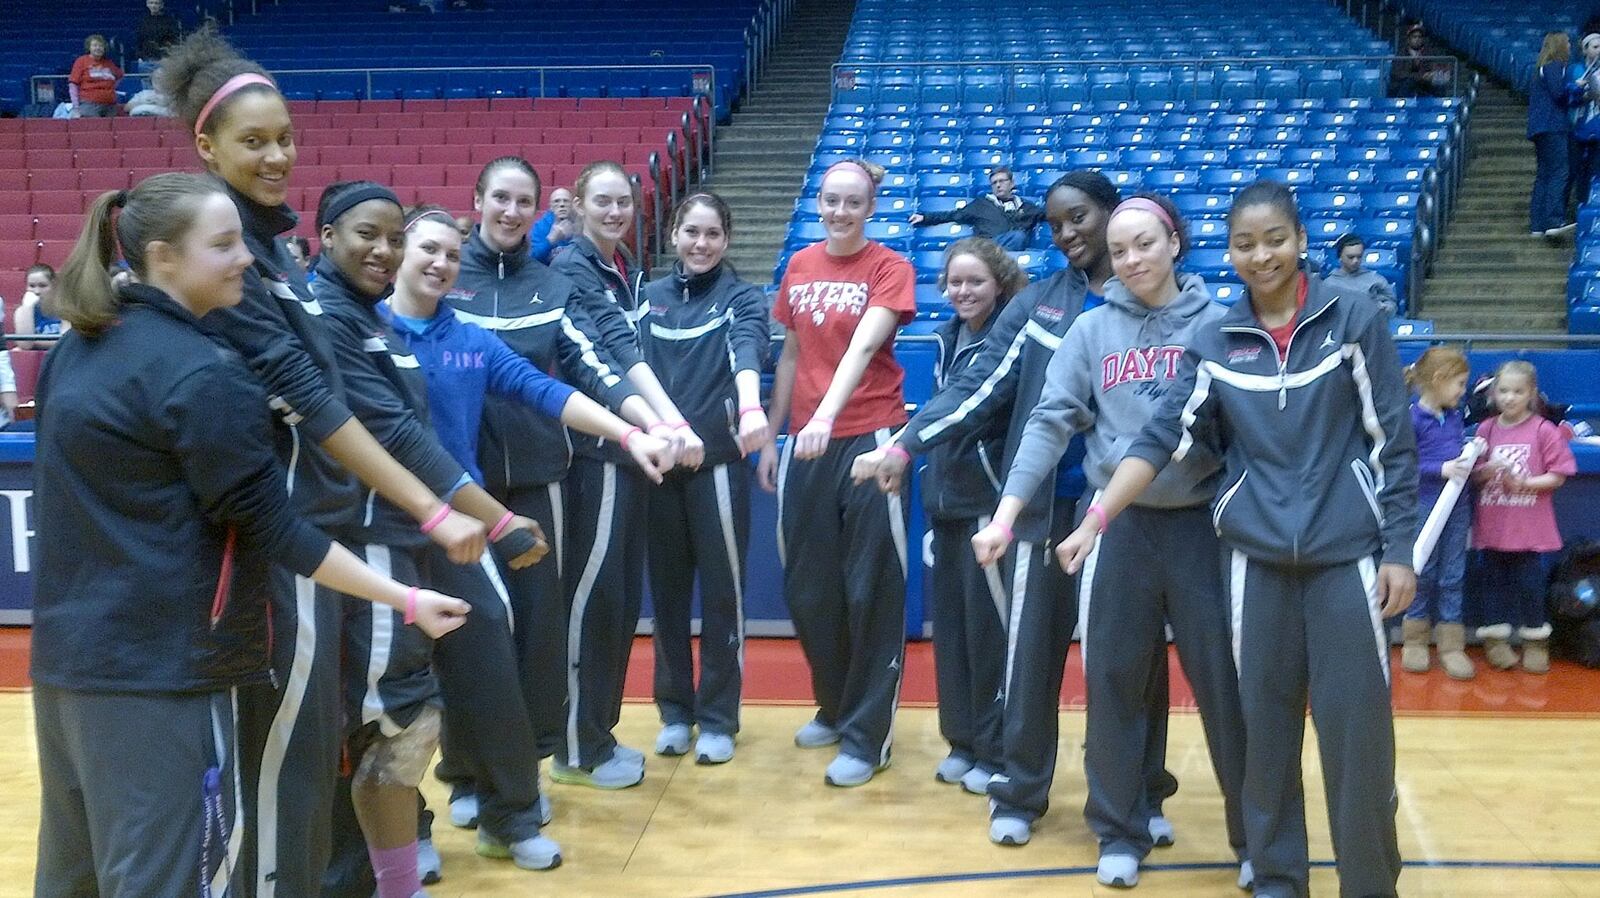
<point>1062,872</point>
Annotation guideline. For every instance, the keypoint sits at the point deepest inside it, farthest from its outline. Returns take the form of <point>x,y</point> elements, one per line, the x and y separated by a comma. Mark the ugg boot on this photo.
<point>1414,655</point>
<point>1452,642</point>
<point>1497,647</point>
<point>1535,649</point>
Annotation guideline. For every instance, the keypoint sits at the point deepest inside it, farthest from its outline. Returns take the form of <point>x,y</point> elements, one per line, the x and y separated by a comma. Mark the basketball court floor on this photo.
<point>1499,785</point>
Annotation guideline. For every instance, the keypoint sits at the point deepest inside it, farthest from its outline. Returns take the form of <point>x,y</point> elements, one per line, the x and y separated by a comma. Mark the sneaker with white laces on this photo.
<point>430,867</point>
<point>1010,831</point>
<point>1118,870</point>
<point>976,781</point>
<point>713,748</point>
<point>536,853</point>
<point>952,768</point>
<point>816,734</point>
<point>616,773</point>
<point>1247,875</point>
<point>464,812</point>
<point>673,740</point>
<point>1161,832</point>
<point>846,771</point>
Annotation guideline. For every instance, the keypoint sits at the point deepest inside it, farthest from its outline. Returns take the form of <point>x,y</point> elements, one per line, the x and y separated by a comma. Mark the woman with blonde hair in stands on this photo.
<point>244,136</point>
<point>605,559</point>
<point>1549,127</point>
<point>839,388</point>
<point>153,608</point>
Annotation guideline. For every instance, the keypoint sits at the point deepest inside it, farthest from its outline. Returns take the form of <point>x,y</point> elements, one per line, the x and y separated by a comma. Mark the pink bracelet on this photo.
<point>682,425</point>
<point>437,519</point>
<point>751,408</point>
<point>1010,537</point>
<point>630,433</point>
<point>411,606</point>
<point>500,527</point>
<point>1100,513</point>
<point>896,450</point>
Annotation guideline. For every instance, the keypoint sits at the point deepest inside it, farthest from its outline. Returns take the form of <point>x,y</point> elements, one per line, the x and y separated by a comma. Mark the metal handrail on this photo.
<point>639,244</point>
<point>655,197</point>
<point>1215,62</point>
<point>368,72</point>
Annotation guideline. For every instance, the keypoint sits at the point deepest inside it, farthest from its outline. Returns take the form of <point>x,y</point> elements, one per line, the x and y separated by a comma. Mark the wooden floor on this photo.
<point>1487,807</point>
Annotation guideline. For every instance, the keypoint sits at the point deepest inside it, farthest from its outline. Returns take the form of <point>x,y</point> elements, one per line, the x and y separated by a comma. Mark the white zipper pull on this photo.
<point>502,266</point>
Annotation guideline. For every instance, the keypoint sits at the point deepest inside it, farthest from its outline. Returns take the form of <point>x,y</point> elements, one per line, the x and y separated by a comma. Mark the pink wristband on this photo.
<point>631,432</point>
<point>682,425</point>
<point>1010,537</point>
<point>895,449</point>
<point>500,527</point>
<point>1100,513</point>
<point>437,519</point>
<point>751,408</point>
<point>411,606</point>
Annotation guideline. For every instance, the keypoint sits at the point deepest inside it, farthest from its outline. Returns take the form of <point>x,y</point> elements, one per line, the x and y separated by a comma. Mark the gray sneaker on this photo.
<point>977,779</point>
<point>846,771</point>
<point>713,748</point>
<point>673,740</point>
<point>464,812</point>
<point>1161,832</point>
<point>616,773</point>
<point>631,755</point>
<point>1118,870</point>
<point>816,734</point>
<point>952,768</point>
<point>430,867</point>
<point>1010,831</point>
<point>537,853</point>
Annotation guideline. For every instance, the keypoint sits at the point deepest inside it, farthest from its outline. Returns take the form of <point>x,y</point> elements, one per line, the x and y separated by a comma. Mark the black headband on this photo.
<point>353,196</point>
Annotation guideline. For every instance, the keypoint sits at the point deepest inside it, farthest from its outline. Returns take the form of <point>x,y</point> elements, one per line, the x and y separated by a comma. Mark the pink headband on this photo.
<point>1144,205</point>
<point>230,87</point>
<point>872,185</point>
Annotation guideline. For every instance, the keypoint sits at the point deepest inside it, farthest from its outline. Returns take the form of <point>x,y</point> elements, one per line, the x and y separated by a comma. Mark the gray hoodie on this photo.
<point>1107,379</point>
<point>1364,284</point>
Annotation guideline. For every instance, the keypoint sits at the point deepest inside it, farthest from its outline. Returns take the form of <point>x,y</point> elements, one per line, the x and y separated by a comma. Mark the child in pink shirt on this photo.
<point>1526,459</point>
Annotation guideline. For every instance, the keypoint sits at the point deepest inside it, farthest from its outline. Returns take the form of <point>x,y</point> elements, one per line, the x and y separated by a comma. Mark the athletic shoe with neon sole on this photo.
<point>1012,831</point>
<point>1118,870</point>
<point>631,755</point>
<point>952,769</point>
<point>616,773</point>
<point>537,853</point>
<point>816,734</point>
<point>713,748</point>
<point>673,741</point>
<point>846,771</point>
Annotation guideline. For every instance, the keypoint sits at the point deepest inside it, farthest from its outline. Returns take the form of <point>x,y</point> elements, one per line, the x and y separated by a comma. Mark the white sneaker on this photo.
<point>1118,870</point>
<point>952,768</point>
<point>1161,832</point>
<point>816,734</point>
<point>846,771</point>
<point>430,867</point>
<point>1010,831</point>
<point>616,773</point>
<point>631,755</point>
<point>537,853</point>
<point>464,812</point>
<point>713,748</point>
<point>673,740</point>
<point>1247,876</point>
<point>977,780</point>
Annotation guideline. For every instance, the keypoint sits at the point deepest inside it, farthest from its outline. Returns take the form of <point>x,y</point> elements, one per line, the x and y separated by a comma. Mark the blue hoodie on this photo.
<point>463,364</point>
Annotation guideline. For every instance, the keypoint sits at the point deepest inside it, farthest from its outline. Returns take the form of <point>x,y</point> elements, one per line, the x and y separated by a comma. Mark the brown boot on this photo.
<point>1414,654</point>
<point>1535,649</point>
<point>1497,646</point>
<point>1452,642</point>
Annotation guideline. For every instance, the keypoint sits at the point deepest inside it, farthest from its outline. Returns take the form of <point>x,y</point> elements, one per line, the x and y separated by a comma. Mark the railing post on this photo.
<point>639,243</point>
<point>655,195</point>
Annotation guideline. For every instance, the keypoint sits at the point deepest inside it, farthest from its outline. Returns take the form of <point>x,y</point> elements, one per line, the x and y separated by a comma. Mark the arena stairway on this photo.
<point>760,159</point>
<point>1490,276</point>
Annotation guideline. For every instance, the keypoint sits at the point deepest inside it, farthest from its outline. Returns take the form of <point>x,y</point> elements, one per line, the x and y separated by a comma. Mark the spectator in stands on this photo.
<point>1585,97</point>
<point>300,248</point>
<point>1350,279</point>
<point>556,227</point>
<point>1000,214</point>
<point>93,82</point>
<point>157,31</point>
<point>1549,128</point>
<point>30,318</point>
<point>1415,75</point>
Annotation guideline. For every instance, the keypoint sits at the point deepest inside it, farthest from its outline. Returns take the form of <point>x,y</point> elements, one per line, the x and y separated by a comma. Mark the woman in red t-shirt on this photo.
<point>843,545</point>
<point>93,82</point>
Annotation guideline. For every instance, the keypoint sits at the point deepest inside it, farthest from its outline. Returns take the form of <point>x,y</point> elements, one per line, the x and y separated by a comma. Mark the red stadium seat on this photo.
<point>614,135</point>
<point>488,118</point>
<point>97,158</point>
<point>439,155</point>
<point>559,103</point>
<point>27,363</point>
<point>566,135</point>
<point>12,140</point>
<point>57,202</point>
<point>598,151</point>
<point>548,154</point>
<point>324,137</point>
<point>15,227</point>
<point>16,202</point>
<point>372,137</point>
<point>355,154</point>
<point>393,155</point>
<point>95,141</point>
<point>462,175</point>
<point>463,136</point>
<point>508,104</point>
<point>53,179</point>
<point>484,153</point>
<point>583,119</point>
<point>601,103</point>
<point>631,118</point>
<point>18,253</point>
<point>51,228</point>
<point>56,140</point>
<point>49,159</point>
<point>138,140</point>
<point>12,179</point>
<point>365,172</point>
<point>137,124</point>
<point>338,106</point>
<point>451,198</point>
<point>135,175</point>
<point>100,180</point>
<point>445,119</point>
<point>426,105</point>
<point>541,118</point>
<point>145,157</point>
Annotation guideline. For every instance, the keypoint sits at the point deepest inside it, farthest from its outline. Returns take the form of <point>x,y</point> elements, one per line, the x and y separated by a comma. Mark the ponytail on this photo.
<point>83,296</point>
<point>161,208</point>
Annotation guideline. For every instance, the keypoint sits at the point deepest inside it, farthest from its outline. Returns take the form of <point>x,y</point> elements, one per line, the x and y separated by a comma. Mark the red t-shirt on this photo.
<point>1282,333</point>
<point>822,299</point>
<point>96,79</point>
